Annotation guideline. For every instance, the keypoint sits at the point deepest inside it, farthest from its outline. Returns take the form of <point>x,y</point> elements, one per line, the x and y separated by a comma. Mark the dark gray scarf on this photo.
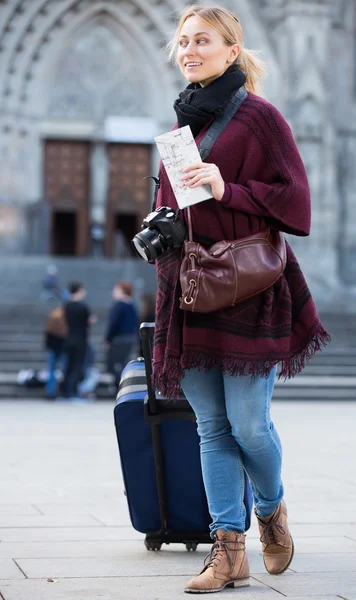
<point>196,105</point>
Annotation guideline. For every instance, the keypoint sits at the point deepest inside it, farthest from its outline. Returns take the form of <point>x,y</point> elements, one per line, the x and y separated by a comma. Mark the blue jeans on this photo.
<point>236,433</point>
<point>51,384</point>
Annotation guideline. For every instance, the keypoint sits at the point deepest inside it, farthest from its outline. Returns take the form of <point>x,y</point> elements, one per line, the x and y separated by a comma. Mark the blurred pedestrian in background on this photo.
<point>121,335</point>
<point>55,337</point>
<point>91,375</point>
<point>122,248</point>
<point>97,236</point>
<point>78,317</point>
<point>51,287</point>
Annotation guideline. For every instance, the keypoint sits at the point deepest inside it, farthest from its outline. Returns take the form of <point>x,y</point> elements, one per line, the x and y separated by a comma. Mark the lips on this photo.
<point>193,64</point>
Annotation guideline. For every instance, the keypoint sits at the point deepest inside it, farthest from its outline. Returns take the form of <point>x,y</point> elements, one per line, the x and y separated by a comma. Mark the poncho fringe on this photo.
<point>167,379</point>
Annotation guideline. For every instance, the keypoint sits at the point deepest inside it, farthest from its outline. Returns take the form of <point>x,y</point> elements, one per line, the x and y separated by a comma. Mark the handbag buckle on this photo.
<point>189,296</point>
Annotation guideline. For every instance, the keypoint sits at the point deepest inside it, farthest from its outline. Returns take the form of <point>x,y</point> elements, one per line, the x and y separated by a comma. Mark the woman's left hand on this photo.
<point>202,173</point>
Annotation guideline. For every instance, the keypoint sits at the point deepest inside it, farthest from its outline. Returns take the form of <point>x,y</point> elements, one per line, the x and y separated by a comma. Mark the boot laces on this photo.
<point>270,529</point>
<point>218,549</point>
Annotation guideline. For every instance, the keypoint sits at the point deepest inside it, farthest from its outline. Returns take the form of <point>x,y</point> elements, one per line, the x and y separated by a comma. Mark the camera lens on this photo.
<point>149,244</point>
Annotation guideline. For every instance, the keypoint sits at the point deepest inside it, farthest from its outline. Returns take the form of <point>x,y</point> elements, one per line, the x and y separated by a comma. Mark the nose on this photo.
<point>189,48</point>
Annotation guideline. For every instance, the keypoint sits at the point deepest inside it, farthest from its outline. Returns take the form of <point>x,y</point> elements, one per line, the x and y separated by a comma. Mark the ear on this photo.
<point>233,54</point>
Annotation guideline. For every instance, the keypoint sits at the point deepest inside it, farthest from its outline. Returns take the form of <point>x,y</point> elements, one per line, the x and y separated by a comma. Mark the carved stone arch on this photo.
<point>28,34</point>
<point>160,76</point>
<point>98,71</point>
<point>45,17</point>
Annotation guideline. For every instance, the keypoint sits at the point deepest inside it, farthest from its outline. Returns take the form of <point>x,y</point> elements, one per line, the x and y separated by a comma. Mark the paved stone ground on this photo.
<point>64,527</point>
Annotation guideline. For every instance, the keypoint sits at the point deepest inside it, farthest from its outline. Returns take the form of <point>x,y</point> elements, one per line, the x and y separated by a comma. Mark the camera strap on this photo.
<point>214,131</point>
<point>157,181</point>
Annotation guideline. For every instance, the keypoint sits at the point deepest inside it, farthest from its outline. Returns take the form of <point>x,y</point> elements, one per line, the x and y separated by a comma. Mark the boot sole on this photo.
<point>232,584</point>
<point>286,567</point>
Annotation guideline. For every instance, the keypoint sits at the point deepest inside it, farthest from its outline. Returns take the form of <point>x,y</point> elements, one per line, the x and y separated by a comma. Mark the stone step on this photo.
<point>35,342</point>
<point>11,391</point>
<point>300,382</point>
<point>34,323</point>
<point>10,378</point>
<point>12,339</point>
<point>32,317</point>
<point>322,394</point>
<point>39,362</point>
<point>330,382</point>
<point>37,359</point>
<point>21,341</point>
<point>34,330</point>
<point>20,346</point>
<point>37,327</point>
<point>39,365</point>
<point>38,347</point>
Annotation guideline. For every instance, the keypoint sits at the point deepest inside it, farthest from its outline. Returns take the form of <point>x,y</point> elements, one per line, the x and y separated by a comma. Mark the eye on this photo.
<point>201,40</point>
<point>182,43</point>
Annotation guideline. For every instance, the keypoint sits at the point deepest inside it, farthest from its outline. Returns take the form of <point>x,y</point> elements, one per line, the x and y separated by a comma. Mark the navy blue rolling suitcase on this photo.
<point>160,460</point>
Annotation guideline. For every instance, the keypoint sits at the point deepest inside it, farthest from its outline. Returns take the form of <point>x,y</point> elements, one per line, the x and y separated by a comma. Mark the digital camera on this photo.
<point>161,231</point>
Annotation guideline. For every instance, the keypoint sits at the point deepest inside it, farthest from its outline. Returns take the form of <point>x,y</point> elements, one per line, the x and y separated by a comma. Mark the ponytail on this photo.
<point>254,69</point>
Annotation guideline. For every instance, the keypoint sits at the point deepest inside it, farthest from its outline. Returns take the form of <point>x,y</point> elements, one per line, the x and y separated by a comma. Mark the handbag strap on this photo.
<point>190,227</point>
<point>219,124</point>
<point>214,131</point>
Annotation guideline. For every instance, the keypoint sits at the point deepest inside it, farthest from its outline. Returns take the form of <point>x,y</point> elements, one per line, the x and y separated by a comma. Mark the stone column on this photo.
<point>346,240</point>
<point>303,38</point>
<point>99,168</point>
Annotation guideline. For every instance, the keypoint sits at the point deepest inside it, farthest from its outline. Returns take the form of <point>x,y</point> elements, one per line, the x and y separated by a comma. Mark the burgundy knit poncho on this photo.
<point>266,186</point>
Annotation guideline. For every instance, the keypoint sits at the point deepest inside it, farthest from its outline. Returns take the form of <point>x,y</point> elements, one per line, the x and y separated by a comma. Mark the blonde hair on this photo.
<point>227,24</point>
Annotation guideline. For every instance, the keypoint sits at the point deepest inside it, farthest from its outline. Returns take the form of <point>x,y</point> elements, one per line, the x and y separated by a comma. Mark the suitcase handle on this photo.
<point>158,412</point>
<point>146,335</point>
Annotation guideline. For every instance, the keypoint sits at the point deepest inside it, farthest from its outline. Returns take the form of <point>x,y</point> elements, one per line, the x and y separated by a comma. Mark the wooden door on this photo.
<point>128,194</point>
<point>67,169</point>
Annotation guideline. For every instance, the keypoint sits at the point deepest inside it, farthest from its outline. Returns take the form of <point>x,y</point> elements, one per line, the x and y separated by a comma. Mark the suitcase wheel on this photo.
<point>154,546</point>
<point>191,546</point>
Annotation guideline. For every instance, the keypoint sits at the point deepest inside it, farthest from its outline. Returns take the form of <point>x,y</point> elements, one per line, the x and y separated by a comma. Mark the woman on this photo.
<point>226,361</point>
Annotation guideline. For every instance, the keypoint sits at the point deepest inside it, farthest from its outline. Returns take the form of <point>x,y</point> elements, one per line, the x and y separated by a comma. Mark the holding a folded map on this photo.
<point>178,150</point>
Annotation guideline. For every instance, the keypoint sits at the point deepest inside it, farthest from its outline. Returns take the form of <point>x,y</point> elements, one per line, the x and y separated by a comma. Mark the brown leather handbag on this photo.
<point>230,271</point>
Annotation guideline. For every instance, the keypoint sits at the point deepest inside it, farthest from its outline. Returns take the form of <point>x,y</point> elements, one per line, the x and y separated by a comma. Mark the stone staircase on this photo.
<point>331,375</point>
<point>21,347</point>
<point>23,311</point>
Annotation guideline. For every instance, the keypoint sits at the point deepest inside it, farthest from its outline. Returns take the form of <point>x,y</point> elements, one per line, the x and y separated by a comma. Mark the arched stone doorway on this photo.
<point>69,65</point>
<point>99,74</point>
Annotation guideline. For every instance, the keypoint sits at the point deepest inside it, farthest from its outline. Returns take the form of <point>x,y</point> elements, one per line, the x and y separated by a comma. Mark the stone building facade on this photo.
<point>85,85</point>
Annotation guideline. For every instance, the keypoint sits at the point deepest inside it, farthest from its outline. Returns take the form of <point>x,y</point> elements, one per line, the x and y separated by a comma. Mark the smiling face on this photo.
<point>203,54</point>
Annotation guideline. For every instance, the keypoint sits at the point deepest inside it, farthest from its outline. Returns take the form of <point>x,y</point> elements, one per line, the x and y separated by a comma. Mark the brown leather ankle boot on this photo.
<point>227,565</point>
<point>277,542</point>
